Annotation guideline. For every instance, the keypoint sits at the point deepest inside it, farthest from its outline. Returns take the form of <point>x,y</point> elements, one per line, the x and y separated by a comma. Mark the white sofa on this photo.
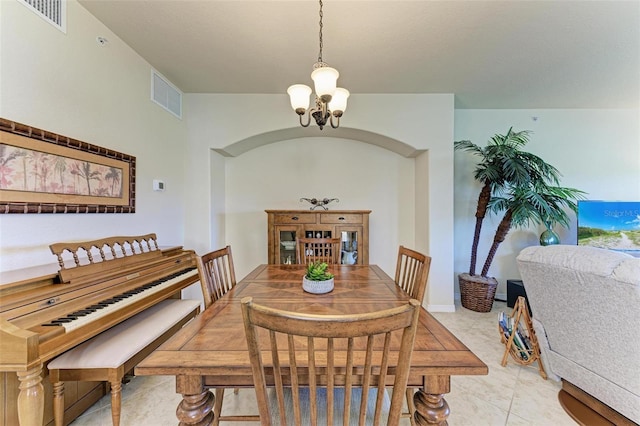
<point>586,313</point>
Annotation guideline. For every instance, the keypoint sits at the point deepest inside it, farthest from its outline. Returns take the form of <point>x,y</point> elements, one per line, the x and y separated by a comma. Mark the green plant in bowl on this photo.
<point>317,271</point>
<point>317,279</point>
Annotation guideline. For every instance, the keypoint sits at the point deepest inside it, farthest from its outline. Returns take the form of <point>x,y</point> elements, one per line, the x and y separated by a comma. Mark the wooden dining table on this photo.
<point>211,350</point>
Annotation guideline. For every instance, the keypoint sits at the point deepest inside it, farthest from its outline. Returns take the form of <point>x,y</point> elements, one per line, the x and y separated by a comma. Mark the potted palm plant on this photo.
<point>317,279</point>
<point>522,187</point>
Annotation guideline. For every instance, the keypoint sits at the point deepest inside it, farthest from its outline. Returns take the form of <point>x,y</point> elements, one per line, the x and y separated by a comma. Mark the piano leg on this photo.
<point>31,397</point>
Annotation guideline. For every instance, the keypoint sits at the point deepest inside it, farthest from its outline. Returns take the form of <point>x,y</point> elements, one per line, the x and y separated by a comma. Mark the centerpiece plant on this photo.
<point>524,189</point>
<point>317,271</point>
<point>317,279</point>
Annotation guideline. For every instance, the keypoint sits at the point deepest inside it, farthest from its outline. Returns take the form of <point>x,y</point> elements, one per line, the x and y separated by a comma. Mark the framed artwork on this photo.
<point>608,224</point>
<point>43,172</point>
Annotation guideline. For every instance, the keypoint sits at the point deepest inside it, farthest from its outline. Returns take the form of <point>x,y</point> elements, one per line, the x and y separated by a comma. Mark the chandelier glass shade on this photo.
<point>331,101</point>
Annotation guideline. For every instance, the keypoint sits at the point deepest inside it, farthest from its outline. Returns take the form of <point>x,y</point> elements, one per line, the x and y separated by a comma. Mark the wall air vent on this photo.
<point>52,11</point>
<point>166,94</point>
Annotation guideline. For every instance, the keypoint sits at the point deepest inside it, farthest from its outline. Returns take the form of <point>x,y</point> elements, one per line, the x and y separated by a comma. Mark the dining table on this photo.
<point>211,350</point>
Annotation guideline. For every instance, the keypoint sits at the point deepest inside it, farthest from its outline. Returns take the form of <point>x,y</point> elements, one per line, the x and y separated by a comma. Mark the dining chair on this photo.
<point>318,250</point>
<point>412,273</point>
<point>307,359</point>
<point>217,277</point>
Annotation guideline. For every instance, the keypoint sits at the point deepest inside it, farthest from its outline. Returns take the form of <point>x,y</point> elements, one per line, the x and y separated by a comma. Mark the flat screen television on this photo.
<point>613,225</point>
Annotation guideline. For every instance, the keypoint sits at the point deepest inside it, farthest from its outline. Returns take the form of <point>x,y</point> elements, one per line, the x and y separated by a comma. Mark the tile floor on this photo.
<point>513,395</point>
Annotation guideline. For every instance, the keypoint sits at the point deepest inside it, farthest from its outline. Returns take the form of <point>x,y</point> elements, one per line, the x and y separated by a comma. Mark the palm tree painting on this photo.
<point>114,176</point>
<point>6,170</point>
<point>88,174</point>
<point>59,168</point>
<point>36,171</point>
<point>43,172</point>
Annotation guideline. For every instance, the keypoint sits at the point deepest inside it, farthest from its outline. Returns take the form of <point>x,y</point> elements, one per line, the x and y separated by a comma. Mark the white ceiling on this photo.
<point>490,54</point>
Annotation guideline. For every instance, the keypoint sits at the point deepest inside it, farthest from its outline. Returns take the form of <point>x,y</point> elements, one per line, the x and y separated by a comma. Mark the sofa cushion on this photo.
<point>590,260</point>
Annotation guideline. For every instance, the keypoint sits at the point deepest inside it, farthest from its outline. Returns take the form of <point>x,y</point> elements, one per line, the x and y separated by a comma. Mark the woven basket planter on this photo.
<point>477,293</point>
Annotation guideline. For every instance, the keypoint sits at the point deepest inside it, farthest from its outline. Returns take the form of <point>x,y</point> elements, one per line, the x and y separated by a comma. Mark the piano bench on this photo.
<point>114,352</point>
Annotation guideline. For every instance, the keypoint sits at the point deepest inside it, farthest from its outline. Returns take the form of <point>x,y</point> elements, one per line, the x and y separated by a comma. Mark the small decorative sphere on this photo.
<point>548,238</point>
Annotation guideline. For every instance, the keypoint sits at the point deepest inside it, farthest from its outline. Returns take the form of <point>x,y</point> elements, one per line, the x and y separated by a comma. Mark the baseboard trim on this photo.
<point>441,308</point>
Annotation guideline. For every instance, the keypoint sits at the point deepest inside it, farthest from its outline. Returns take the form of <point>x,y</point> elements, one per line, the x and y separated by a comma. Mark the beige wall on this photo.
<point>361,176</point>
<point>70,85</point>
<point>267,167</point>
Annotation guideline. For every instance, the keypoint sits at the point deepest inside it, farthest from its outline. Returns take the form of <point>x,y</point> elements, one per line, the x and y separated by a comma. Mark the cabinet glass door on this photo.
<point>349,246</point>
<point>286,250</point>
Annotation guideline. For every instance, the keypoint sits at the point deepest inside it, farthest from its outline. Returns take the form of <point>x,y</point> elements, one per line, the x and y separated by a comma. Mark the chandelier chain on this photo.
<point>320,53</point>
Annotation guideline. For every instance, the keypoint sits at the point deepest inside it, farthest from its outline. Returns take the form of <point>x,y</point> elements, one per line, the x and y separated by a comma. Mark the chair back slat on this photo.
<point>348,383</point>
<point>383,374</point>
<point>412,272</point>
<point>310,250</point>
<point>366,380</point>
<point>327,353</point>
<point>313,386</point>
<point>217,274</point>
<point>330,381</point>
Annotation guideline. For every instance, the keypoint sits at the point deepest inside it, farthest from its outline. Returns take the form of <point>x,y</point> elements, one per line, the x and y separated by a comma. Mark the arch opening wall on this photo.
<point>361,176</point>
<point>403,173</point>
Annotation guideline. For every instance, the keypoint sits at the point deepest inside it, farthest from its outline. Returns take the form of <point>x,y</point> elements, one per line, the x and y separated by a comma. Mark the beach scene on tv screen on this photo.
<point>613,225</point>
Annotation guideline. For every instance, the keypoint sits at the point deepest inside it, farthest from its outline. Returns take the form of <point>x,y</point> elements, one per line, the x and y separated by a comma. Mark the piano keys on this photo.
<point>99,284</point>
<point>94,312</point>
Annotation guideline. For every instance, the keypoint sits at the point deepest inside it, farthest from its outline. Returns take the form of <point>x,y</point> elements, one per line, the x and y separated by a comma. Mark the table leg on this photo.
<point>196,407</point>
<point>31,397</point>
<point>431,407</point>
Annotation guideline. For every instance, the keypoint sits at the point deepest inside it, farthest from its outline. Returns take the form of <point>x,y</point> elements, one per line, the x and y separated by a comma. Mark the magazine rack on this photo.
<point>516,332</point>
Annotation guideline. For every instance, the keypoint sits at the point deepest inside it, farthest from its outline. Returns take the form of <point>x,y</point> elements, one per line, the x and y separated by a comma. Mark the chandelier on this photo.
<point>331,101</point>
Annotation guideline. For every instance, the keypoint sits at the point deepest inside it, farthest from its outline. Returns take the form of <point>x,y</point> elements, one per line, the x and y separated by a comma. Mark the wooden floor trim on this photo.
<point>587,410</point>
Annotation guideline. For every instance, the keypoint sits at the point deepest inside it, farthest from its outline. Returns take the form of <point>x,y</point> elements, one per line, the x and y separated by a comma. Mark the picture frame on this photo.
<point>44,172</point>
<point>609,224</point>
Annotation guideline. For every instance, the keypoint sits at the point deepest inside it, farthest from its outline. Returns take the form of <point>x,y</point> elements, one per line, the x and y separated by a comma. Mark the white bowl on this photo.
<point>289,245</point>
<point>317,287</point>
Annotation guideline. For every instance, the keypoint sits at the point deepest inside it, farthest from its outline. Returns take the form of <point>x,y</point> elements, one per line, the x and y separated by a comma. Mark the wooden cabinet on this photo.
<point>351,226</point>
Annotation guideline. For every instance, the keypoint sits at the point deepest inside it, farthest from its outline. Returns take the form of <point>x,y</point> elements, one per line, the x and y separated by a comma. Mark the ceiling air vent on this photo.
<point>166,94</point>
<point>52,11</point>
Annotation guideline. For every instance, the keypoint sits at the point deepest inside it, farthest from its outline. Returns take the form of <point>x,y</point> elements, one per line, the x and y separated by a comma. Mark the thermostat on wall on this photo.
<point>158,185</point>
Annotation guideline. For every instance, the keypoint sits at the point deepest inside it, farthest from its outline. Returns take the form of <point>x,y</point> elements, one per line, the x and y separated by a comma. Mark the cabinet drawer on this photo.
<point>294,218</point>
<point>340,218</point>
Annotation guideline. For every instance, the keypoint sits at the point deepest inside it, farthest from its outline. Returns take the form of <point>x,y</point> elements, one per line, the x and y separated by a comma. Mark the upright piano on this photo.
<point>98,284</point>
